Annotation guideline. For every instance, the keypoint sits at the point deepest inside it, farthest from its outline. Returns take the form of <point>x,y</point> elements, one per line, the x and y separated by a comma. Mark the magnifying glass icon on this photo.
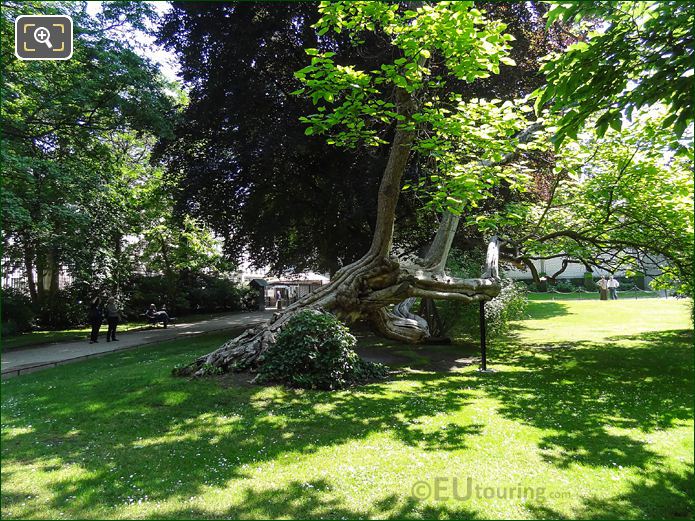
<point>43,35</point>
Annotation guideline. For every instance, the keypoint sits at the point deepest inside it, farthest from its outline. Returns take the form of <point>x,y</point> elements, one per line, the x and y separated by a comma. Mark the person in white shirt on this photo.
<point>613,287</point>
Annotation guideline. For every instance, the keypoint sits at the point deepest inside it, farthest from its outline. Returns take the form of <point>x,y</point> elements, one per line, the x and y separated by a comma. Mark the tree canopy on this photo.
<point>260,182</point>
<point>630,55</point>
<point>77,140</point>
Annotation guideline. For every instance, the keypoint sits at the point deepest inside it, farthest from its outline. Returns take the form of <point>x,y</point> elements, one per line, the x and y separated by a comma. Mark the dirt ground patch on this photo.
<point>433,357</point>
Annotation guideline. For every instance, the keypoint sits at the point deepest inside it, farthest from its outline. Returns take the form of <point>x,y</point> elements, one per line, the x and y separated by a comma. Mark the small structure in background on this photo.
<point>259,285</point>
<point>286,289</point>
<point>290,288</point>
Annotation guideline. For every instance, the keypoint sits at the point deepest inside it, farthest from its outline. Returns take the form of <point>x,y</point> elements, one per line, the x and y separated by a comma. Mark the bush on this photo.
<point>189,292</point>
<point>589,282</point>
<point>17,313</point>
<point>145,290</point>
<point>533,287</point>
<point>509,305</point>
<point>67,308</point>
<point>565,286</point>
<point>209,294</point>
<point>463,320</point>
<point>315,351</point>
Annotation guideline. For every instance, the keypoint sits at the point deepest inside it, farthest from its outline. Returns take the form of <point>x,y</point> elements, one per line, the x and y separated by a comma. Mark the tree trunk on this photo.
<point>47,273</point>
<point>362,290</point>
<point>29,268</point>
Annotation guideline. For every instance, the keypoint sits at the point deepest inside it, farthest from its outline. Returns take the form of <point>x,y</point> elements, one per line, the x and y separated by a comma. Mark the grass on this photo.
<point>34,338</point>
<point>590,295</point>
<point>591,410</point>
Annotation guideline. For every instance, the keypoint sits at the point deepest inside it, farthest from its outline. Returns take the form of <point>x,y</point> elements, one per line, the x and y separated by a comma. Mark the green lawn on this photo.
<point>589,415</point>
<point>591,295</point>
<point>34,338</point>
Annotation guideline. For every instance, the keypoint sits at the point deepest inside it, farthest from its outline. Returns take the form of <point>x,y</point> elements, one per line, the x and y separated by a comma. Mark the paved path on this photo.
<point>30,359</point>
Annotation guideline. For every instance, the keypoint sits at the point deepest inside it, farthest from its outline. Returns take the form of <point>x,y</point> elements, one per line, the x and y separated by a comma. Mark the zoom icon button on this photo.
<point>43,37</point>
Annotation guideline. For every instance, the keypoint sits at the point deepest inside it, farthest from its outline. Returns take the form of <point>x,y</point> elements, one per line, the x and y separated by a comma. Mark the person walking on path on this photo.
<point>113,314</point>
<point>603,288</point>
<point>613,287</point>
<point>95,318</point>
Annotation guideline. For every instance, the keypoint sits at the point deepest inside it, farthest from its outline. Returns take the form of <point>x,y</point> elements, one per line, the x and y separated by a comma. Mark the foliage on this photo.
<point>634,55</point>
<point>315,351</point>
<point>431,46</point>
<point>197,292</point>
<point>282,190</point>
<point>81,195</point>
<point>64,177</point>
<point>565,286</point>
<point>589,282</point>
<point>270,205</point>
<point>209,293</point>
<point>67,308</point>
<point>17,312</point>
<point>537,288</point>
<point>623,201</point>
<point>463,320</point>
<point>506,307</point>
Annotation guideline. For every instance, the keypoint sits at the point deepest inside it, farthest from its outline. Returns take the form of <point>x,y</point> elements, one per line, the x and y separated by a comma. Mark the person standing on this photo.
<point>603,288</point>
<point>95,318</point>
<point>113,315</point>
<point>613,287</point>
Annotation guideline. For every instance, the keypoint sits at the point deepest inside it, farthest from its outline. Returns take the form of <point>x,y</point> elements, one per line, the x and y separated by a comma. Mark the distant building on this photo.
<point>549,267</point>
<point>17,280</point>
<point>289,287</point>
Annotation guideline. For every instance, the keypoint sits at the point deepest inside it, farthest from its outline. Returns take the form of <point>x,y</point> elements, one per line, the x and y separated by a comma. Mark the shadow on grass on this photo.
<point>582,392</point>
<point>141,433</point>
<point>661,495</point>
<point>316,500</point>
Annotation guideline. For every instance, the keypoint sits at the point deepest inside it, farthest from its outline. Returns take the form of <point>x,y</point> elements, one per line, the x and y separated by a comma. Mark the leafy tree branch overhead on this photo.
<point>631,55</point>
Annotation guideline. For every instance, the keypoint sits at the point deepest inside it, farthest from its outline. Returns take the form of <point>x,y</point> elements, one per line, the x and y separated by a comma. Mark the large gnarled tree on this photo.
<point>403,98</point>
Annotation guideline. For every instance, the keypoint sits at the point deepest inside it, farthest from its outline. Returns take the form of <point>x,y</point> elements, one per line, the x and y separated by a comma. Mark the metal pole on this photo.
<point>483,347</point>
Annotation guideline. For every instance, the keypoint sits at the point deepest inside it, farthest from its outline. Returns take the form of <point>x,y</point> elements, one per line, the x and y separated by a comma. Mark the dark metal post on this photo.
<point>483,347</point>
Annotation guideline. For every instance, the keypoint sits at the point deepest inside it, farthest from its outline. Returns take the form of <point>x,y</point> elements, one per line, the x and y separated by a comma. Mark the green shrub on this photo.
<point>209,293</point>
<point>589,282</point>
<point>67,308</point>
<point>17,313</point>
<point>188,292</point>
<point>533,287</point>
<point>315,351</point>
<point>509,305</point>
<point>463,320</point>
<point>627,285</point>
<point>565,286</point>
